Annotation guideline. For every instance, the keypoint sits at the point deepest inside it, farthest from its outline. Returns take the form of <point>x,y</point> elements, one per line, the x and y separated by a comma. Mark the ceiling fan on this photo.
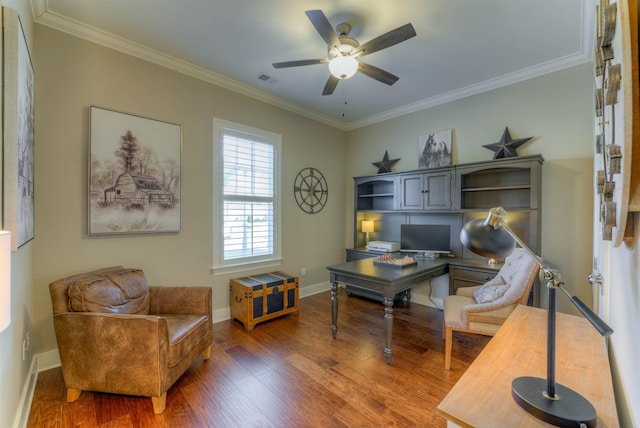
<point>344,52</point>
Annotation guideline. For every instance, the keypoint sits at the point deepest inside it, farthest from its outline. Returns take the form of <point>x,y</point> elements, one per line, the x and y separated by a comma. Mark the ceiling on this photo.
<point>462,47</point>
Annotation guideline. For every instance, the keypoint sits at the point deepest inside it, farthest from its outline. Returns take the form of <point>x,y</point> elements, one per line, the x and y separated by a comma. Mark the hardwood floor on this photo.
<point>289,372</point>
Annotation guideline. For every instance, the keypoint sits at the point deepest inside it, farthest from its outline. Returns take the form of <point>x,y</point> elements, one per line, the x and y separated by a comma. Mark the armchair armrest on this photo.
<point>488,312</point>
<point>493,316</point>
<point>95,351</point>
<point>180,300</point>
<point>467,291</point>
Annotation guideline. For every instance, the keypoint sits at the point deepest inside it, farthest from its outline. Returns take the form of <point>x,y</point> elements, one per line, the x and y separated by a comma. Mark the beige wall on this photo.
<point>556,110</point>
<point>71,75</point>
<point>13,369</point>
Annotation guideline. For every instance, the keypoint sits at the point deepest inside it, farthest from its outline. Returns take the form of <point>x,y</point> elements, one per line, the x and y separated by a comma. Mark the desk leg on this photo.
<point>388,325</point>
<point>334,309</point>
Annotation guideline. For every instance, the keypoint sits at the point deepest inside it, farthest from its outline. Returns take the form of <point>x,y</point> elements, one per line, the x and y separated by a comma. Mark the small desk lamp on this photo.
<point>367,227</point>
<point>544,399</point>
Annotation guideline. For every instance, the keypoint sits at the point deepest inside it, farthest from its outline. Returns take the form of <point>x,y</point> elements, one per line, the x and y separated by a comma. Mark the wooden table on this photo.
<point>482,396</point>
<point>366,275</point>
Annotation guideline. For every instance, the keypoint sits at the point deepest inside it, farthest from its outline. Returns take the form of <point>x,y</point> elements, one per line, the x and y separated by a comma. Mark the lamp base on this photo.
<point>569,409</point>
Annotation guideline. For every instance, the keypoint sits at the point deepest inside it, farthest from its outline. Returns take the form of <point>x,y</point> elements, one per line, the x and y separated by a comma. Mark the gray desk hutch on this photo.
<point>451,195</point>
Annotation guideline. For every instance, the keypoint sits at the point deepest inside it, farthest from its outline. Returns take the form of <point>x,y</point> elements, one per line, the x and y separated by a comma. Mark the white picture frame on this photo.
<point>18,132</point>
<point>134,174</point>
<point>434,149</point>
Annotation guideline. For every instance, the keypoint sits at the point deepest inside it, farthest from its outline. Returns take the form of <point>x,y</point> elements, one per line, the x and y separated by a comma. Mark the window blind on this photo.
<point>248,197</point>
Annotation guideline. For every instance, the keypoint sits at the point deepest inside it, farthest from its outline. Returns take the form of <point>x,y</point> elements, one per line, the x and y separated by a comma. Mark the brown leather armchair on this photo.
<point>116,334</point>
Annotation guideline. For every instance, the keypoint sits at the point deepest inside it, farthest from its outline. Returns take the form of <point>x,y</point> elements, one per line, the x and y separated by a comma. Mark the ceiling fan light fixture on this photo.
<point>343,67</point>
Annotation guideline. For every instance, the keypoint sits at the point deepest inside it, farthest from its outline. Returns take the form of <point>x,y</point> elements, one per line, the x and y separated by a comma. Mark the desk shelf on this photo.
<point>452,196</point>
<point>376,194</point>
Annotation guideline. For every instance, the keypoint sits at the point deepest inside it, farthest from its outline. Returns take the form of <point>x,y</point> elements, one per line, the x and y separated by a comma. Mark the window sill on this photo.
<point>243,267</point>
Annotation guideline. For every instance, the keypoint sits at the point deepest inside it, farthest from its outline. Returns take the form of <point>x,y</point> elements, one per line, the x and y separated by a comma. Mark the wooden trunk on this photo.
<point>258,298</point>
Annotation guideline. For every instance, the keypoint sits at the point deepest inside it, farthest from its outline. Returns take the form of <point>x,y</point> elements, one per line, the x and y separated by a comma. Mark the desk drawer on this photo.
<point>479,276</point>
<point>468,277</point>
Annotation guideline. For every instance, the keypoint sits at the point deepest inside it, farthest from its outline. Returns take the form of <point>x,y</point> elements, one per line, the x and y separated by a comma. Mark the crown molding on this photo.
<point>79,29</point>
<point>585,55</point>
<point>38,7</point>
<point>42,15</point>
<point>487,85</point>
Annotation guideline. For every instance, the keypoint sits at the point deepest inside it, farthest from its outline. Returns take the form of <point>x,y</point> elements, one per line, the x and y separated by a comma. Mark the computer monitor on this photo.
<point>429,240</point>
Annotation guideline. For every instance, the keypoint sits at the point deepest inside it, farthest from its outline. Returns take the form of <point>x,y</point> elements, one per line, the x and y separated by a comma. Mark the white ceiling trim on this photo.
<point>585,55</point>
<point>59,22</point>
<point>487,85</point>
<point>95,35</point>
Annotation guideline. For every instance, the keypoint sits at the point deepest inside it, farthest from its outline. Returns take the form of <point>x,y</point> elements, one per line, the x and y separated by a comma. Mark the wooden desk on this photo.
<point>482,396</point>
<point>364,274</point>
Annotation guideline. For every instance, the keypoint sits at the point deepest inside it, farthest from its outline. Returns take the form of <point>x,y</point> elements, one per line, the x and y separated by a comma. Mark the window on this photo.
<point>246,195</point>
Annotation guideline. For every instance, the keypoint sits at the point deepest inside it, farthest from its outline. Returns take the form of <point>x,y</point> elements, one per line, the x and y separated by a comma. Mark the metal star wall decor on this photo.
<point>385,164</point>
<point>506,147</point>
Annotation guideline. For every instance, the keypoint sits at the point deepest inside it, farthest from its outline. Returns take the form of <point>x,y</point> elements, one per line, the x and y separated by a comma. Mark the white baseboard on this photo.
<point>433,302</point>
<point>221,315</point>
<point>24,405</point>
<point>50,359</point>
<point>224,314</point>
<point>310,290</point>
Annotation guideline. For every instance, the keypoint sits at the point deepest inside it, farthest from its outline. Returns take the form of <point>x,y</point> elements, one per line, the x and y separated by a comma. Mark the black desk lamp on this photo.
<point>544,399</point>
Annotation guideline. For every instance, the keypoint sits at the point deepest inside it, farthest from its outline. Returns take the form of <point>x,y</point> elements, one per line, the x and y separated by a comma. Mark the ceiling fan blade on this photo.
<point>330,86</point>
<point>391,38</point>
<point>299,63</point>
<point>323,27</point>
<point>377,73</point>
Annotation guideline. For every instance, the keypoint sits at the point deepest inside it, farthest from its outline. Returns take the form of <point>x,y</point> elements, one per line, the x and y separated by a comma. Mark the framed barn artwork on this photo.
<point>134,174</point>
<point>18,108</point>
<point>434,149</point>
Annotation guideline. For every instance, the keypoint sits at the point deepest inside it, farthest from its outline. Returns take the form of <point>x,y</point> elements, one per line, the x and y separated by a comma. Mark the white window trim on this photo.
<point>220,266</point>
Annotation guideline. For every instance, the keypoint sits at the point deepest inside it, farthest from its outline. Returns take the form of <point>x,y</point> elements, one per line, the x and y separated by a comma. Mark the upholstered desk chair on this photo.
<point>116,334</point>
<point>484,308</point>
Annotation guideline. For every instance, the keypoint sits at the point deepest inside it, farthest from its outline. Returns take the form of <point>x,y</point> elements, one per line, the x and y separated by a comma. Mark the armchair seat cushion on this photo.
<point>186,332</point>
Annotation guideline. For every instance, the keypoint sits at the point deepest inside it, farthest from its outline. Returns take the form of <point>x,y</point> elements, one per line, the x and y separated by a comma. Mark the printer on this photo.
<point>384,246</point>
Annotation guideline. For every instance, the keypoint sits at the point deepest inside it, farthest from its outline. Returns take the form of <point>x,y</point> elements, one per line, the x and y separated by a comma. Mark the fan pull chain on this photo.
<point>344,101</point>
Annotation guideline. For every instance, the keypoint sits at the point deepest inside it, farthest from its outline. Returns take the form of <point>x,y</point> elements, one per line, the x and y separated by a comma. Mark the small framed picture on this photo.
<point>434,149</point>
<point>134,174</point>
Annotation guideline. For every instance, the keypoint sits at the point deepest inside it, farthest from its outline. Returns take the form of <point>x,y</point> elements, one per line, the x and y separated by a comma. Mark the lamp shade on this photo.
<point>5,279</point>
<point>343,67</point>
<point>367,226</point>
<point>486,240</point>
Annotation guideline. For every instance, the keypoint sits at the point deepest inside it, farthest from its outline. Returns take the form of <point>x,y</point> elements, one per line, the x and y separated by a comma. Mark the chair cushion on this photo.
<point>491,290</point>
<point>185,333</point>
<point>125,292</point>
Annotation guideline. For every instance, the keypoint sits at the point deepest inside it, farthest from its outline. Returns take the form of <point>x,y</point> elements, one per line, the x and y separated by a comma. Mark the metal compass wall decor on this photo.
<point>616,105</point>
<point>310,190</point>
